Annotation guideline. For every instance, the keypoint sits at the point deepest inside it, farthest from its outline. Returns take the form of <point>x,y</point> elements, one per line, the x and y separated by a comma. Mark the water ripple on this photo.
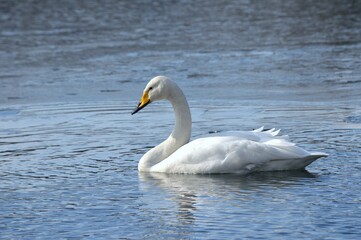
<point>71,72</point>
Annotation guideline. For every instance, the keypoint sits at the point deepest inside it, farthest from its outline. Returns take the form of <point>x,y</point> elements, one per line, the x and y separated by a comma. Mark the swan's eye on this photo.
<point>151,88</point>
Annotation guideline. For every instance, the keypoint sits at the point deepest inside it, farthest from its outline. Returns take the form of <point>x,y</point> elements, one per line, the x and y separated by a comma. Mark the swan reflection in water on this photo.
<point>191,193</point>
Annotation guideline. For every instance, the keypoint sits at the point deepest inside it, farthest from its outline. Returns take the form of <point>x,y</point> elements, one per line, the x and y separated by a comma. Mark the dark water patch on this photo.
<point>353,119</point>
<point>110,90</point>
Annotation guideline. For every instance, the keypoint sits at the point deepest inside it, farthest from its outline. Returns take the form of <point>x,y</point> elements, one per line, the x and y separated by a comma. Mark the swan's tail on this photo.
<point>304,162</point>
<point>317,155</point>
<point>291,164</point>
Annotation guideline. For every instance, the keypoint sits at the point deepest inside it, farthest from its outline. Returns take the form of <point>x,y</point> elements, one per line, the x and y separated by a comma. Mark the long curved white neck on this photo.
<point>179,136</point>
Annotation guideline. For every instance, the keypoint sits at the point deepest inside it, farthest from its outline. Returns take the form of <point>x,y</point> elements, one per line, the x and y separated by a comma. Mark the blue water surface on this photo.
<point>71,72</point>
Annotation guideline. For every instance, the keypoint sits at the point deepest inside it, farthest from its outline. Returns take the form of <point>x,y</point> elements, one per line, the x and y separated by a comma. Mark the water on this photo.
<point>72,72</point>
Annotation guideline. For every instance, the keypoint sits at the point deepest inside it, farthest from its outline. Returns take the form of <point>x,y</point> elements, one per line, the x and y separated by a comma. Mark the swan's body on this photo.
<point>235,152</point>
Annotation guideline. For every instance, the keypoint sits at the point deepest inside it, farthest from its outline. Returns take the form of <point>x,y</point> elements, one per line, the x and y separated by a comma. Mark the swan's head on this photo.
<point>158,88</point>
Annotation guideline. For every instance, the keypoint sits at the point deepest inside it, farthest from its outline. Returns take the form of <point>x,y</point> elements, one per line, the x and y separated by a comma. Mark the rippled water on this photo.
<point>71,73</point>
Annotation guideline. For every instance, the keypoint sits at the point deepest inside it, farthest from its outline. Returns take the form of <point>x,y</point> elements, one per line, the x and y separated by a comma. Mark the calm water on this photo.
<point>72,71</point>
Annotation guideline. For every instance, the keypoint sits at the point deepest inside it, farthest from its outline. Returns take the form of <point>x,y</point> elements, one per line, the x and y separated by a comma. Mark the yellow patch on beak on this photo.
<point>144,101</point>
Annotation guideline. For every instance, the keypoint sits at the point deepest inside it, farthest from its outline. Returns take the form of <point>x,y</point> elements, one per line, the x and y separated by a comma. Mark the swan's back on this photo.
<point>237,152</point>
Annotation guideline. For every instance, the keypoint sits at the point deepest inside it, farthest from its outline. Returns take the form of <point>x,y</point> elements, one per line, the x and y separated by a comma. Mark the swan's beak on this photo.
<point>144,101</point>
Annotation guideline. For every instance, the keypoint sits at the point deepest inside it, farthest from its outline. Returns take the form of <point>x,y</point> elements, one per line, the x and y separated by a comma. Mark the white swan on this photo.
<point>236,152</point>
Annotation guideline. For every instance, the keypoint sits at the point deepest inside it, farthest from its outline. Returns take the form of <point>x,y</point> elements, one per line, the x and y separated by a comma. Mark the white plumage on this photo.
<point>231,152</point>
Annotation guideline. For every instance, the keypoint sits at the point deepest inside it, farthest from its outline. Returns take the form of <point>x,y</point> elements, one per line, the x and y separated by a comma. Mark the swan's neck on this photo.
<point>179,136</point>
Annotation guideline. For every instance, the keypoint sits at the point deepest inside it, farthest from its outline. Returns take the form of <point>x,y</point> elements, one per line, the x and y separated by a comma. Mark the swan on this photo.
<point>240,152</point>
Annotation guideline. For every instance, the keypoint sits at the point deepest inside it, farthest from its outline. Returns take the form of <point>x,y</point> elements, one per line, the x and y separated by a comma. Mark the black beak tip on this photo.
<point>135,111</point>
<point>138,108</point>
